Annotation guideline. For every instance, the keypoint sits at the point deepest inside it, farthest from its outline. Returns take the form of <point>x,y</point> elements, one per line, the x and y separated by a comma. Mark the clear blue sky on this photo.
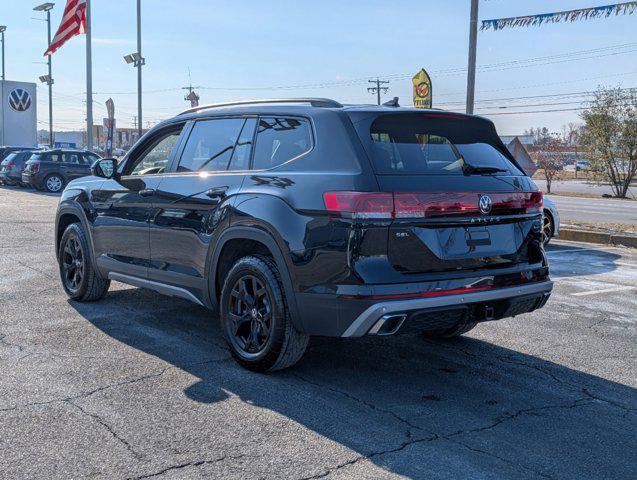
<point>233,46</point>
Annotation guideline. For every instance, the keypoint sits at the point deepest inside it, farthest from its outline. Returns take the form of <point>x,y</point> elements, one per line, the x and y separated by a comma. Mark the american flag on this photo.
<point>73,23</point>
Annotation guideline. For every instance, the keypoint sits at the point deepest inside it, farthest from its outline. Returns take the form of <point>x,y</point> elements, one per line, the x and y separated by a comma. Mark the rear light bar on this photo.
<point>368,205</point>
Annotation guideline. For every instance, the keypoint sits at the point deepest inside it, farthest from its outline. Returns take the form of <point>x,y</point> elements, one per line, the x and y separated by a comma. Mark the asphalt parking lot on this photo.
<point>141,386</point>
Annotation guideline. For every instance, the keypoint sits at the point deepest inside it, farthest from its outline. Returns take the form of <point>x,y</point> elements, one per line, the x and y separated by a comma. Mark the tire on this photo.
<point>54,183</point>
<point>86,285</point>
<point>452,332</point>
<point>22,185</point>
<point>548,226</point>
<point>259,333</point>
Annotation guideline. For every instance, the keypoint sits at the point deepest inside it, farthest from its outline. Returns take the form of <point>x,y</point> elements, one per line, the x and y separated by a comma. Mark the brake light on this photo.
<point>10,164</point>
<point>430,204</point>
<point>35,167</point>
<point>360,204</point>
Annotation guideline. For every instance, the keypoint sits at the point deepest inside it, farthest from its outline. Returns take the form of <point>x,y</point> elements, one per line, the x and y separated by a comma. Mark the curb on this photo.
<point>590,236</point>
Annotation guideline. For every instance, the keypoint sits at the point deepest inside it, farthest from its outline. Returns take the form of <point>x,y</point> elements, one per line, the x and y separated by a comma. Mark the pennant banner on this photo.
<point>625,8</point>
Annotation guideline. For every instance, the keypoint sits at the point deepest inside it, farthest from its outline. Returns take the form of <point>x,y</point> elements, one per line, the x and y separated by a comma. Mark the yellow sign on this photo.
<point>422,90</point>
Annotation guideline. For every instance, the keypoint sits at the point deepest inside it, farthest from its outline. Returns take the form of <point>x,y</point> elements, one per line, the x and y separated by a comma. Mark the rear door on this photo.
<point>460,202</point>
<point>195,197</point>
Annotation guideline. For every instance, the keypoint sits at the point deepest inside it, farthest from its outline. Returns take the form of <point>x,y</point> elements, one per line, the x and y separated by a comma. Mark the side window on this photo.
<point>89,159</point>
<point>52,157</point>
<point>280,140</point>
<point>211,145</point>
<point>241,156</point>
<point>154,158</point>
<point>73,158</point>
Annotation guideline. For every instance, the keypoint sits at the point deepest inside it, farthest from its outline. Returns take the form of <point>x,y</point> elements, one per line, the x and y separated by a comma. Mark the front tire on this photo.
<point>79,279</point>
<point>255,318</point>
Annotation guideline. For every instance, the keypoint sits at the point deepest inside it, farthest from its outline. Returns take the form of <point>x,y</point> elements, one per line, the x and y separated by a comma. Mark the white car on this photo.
<point>550,221</point>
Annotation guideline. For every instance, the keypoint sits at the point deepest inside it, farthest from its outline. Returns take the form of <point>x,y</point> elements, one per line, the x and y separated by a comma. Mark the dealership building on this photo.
<point>18,114</point>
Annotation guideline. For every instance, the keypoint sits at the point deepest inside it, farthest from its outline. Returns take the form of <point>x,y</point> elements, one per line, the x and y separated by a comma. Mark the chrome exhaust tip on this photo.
<point>388,324</point>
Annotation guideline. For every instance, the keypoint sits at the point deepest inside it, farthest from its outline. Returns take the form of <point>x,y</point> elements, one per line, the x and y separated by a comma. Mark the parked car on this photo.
<point>6,151</point>
<point>11,167</point>
<point>550,220</point>
<point>51,170</point>
<point>304,217</point>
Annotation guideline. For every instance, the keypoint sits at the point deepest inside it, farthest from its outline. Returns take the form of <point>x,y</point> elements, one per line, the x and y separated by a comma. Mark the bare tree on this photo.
<point>549,155</point>
<point>610,136</point>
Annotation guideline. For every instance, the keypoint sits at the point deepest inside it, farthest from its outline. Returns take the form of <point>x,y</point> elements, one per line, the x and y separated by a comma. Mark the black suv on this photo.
<point>51,170</point>
<point>306,217</point>
<point>11,167</point>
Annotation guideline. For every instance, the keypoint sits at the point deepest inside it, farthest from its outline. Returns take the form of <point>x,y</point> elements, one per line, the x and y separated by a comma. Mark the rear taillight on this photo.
<point>10,164</point>
<point>430,204</point>
<point>360,204</point>
<point>35,167</point>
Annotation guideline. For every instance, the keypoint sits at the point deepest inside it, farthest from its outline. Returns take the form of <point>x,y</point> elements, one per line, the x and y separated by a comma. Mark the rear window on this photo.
<point>279,140</point>
<point>415,144</point>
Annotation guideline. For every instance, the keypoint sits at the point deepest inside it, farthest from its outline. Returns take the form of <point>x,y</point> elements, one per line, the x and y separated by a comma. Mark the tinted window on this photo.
<point>154,158</point>
<point>241,155</point>
<point>53,157</point>
<point>211,145</point>
<point>421,145</point>
<point>280,140</point>
<point>74,158</point>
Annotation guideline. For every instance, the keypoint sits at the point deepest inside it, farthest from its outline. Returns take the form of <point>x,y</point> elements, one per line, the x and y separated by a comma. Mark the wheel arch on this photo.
<point>66,215</point>
<point>265,244</point>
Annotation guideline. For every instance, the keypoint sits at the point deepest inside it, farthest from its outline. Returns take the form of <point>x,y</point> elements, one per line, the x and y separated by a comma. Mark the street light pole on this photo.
<point>89,80</point>
<point>50,82</point>
<point>2,30</point>
<point>139,69</point>
<point>471,71</point>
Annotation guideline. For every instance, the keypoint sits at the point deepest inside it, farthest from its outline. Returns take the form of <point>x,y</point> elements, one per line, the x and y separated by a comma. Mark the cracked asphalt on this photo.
<point>141,386</point>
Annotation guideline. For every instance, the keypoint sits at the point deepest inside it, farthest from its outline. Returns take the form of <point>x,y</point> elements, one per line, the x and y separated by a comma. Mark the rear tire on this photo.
<point>452,332</point>
<point>548,227</point>
<point>80,280</point>
<point>255,318</point>
<point>54,183</point>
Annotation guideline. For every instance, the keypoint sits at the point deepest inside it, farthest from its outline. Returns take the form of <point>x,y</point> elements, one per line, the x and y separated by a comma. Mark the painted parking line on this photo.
<point>604,290</point>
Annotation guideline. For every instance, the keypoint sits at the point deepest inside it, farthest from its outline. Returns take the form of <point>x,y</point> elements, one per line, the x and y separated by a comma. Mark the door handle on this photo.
<point>147,192</point>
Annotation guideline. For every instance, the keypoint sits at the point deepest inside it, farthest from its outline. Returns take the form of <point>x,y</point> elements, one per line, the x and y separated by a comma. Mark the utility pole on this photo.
<point>2,30</point>
<point>192,96</point>
<point>89,80</point>
<point>135,123</point>
<point>471,70</point>
<point>377,89</point>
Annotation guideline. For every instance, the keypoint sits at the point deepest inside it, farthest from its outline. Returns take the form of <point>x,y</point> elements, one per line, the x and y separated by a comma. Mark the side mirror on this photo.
<point>104,167</point>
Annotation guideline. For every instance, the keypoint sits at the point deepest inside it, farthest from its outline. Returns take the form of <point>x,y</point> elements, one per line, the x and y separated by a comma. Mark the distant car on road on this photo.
<point>11,167</point>
<point>550,221</point>
<point>51,170</point>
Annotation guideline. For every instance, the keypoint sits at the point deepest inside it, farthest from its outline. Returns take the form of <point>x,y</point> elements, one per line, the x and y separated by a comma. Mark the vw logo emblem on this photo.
<point>485,204</point>
<point>19,100</point>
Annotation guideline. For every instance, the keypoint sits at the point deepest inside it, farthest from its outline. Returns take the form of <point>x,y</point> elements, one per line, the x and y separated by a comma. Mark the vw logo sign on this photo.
<point>485,204</point>
<point>19,100</point>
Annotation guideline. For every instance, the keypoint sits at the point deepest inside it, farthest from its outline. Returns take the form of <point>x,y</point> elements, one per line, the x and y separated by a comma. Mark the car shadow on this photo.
<point>574,260</point>
<point>30,190</point>
<point>422,409</point>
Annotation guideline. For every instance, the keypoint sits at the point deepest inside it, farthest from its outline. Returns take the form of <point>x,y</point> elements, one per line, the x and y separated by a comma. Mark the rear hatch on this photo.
<point>460,201</point>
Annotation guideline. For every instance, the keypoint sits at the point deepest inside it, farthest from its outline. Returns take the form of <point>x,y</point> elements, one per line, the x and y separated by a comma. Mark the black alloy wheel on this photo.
<point>73,264</point>
<point>547,227</point>
<point>250,315</point>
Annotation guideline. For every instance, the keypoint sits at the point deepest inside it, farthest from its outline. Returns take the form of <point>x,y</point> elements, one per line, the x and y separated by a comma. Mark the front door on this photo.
<point>195,198</point>
<point>124,205</point>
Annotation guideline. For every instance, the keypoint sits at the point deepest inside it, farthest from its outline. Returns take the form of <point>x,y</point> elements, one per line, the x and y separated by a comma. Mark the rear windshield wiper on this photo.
<point>471,170</point>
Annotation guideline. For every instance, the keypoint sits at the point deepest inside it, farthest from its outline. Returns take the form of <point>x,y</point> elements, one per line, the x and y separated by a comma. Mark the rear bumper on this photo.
<point>32,180</point>
<point>476,306</point>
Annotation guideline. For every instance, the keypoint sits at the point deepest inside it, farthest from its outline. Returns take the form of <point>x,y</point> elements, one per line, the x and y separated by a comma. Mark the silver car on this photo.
<point>551,221</point>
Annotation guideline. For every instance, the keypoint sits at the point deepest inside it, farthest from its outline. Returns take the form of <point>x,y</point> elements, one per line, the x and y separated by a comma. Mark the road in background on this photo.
<point>581,186</point>
<point>140,385</point>
<point>595,210</point>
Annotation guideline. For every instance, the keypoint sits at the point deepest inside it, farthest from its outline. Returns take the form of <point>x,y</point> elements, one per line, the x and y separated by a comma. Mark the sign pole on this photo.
<point>89,80</point>
<point>139,69</point>
<point>50,81</point>
<point>471,71</point>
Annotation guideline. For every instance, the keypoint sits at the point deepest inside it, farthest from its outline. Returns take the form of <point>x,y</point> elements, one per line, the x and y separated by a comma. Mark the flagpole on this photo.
<point>89,80</point>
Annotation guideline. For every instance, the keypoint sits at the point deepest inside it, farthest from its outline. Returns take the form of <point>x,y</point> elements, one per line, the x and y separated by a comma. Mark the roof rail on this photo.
<point>315,102</point>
